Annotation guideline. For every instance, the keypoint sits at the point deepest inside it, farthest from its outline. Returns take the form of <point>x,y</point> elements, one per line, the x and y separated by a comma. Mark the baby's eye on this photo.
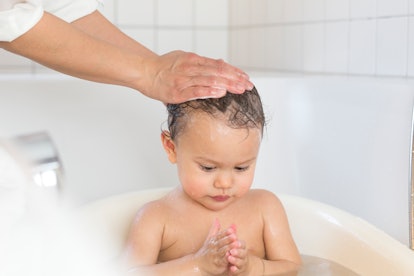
<point>241,169</point>
<point>207,168</point>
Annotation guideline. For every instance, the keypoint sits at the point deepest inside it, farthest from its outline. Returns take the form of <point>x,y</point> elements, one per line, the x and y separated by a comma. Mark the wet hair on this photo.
<point>240,110</point>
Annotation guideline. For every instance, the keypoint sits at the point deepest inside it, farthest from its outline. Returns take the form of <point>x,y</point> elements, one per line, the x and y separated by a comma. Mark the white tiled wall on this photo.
<point>162,25</point>
<point>346,37</point>
<point>351,37</point>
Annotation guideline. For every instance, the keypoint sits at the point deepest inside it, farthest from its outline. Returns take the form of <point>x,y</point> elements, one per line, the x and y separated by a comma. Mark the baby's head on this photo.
<point>239,111</point>
<point>215,144</point>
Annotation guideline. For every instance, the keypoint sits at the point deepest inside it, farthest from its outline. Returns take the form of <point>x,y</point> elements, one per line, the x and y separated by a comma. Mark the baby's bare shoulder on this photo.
<point>263,194</point>
<point>264,199</point>
<point>155,207</point>
<point>152,215</point>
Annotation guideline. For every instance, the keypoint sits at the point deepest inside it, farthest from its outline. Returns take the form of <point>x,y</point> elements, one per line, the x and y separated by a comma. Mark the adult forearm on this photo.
<point>96,25</point>
<point>92,48</point>
<point>58,45</point>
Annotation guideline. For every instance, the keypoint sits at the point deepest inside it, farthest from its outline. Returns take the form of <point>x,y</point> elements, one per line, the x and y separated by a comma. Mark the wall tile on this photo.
<point>175,13</point>
<point>40,69</point>
<point>411,48</point>
<point>394,7</point>
<point>362,47</point>
<point>337,9</point>
<point>363,8</point>
<point>135,12</point>
<point>313,47</point>
<point>274,50</point>
<point>211,13</point>
<point>314,10</point>
<point>212,43</point>
<point>108,10</point>
<point>411,9</point>
<point>257,55</point>
<point>274,11</point>
<point>239,12</point>
<point>293,48</point>
<point>392,46</point>
<point>8,59</point>
<point>258,12</point>
<point>238,53</point>
<point>292,10</point>
<point>169,40</point>
<point>14,64</point>
<point>336,47</point>
<point>4,70</point>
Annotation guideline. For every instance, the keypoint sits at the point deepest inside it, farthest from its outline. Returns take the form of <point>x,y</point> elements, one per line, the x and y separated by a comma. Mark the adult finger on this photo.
<point>222,75</point>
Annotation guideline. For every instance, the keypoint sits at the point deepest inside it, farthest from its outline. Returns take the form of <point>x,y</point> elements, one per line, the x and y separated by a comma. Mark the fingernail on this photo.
<point>240,87</point>
<point>244,75</point>
<point>250,86</point>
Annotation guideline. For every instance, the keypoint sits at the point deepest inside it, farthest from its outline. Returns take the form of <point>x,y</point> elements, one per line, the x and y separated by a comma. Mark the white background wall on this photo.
<point>346,37</point>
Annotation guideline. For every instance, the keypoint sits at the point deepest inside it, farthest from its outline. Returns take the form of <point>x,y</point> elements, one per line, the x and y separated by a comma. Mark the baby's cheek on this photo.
<point>243,188</point>
<point>193,188</point>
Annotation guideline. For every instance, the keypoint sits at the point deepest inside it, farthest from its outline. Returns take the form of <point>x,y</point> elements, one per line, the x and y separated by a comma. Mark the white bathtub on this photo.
<point>332,241</point>
<point>344,142</point>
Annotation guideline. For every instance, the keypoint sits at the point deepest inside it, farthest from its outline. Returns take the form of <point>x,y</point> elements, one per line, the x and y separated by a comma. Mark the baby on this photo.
<point>213,223</point>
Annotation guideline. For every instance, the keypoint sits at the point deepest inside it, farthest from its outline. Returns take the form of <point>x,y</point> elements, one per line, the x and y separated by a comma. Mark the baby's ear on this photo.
<point>169,146</point>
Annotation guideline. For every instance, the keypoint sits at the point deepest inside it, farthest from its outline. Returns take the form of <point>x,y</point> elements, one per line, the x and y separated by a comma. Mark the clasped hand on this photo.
<point>223,253</point>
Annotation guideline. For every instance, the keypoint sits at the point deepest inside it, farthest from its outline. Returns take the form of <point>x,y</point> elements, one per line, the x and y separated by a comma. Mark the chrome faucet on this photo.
<point>41,154</point>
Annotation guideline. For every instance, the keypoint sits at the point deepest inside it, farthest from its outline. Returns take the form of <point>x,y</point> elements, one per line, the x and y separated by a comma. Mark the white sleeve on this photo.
<point>70,10</point>
<point>19,16</point>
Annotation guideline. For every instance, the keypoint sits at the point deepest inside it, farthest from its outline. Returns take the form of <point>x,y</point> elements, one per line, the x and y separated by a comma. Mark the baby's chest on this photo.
<point>184,238</point>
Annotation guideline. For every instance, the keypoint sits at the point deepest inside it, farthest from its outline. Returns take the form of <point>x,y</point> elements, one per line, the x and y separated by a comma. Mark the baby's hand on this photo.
<point>238,257</point>
<point>212,256</point>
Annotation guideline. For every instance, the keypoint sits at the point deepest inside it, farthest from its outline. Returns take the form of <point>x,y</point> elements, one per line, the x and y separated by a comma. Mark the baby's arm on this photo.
<point>282,255</point>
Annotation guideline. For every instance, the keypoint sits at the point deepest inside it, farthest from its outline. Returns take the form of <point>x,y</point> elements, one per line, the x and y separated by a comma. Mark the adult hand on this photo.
<point>92,48</point>
<point>180,76</point>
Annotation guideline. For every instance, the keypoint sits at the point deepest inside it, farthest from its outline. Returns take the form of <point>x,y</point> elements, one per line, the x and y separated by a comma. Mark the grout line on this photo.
<point>327,74</point>
<point>116,13</point>
<point>155,26</point>
<point>305,22</point>
<point>376,40</point>
<point>324,37</point>
<point>194,27</point>
<point>407,59</point>
<point>348,58</point>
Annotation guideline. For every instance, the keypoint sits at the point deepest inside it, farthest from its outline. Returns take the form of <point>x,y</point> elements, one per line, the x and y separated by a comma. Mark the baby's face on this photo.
<point>216,163</point>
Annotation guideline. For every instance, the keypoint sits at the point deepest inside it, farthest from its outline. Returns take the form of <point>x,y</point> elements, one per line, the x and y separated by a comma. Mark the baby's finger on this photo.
<point>238,253</point>
<point>214,229</point>
<point>235,263</point>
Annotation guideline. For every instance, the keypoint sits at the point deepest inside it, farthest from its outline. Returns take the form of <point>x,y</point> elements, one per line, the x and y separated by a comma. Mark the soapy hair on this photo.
<point>239,110</point>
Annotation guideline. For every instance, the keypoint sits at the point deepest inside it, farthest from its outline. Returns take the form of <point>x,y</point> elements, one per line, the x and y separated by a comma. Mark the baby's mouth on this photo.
<point>221,198</point>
